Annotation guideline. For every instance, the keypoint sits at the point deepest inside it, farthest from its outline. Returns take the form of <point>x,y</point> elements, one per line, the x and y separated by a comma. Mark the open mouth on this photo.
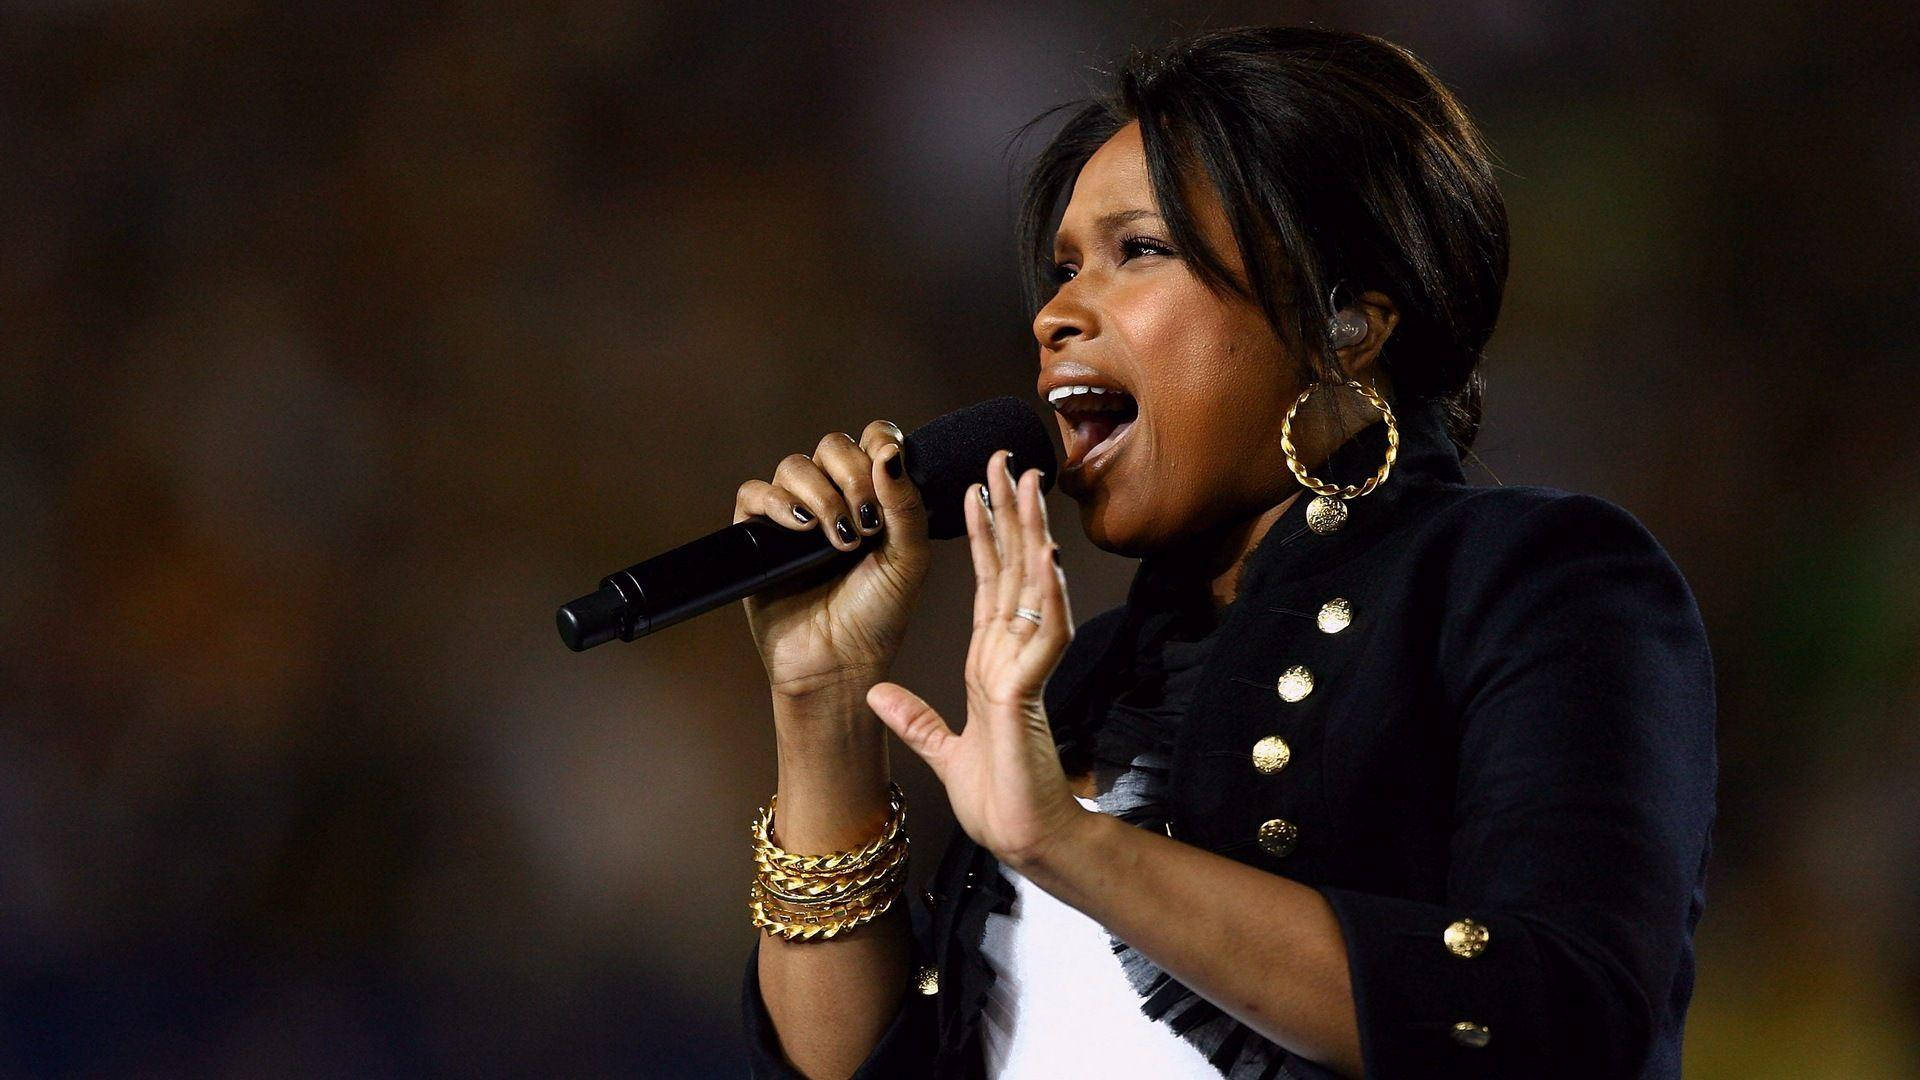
<point>1095,423</point>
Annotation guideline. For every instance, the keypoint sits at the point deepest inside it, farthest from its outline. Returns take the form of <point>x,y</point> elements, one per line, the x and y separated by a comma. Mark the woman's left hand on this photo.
<point>1002,774</point>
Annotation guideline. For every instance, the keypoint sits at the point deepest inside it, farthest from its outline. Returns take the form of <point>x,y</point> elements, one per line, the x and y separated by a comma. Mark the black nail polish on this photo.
<point>869,517</point>
<point>1056,556</point>
<point>893,465</point>
<point>845,530</point>
<point>986,498</point>
<point>800,513</point>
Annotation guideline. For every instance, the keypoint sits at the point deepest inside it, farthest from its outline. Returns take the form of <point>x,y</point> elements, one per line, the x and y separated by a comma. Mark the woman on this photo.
<point>1375,773</point>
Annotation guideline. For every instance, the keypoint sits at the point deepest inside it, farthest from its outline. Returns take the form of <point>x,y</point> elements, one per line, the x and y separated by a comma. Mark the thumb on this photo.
<point>911,718</point>
<point>900,499</point>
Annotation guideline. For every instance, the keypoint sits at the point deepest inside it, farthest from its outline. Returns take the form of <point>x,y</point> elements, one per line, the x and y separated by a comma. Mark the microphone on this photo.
<point>942,458</point>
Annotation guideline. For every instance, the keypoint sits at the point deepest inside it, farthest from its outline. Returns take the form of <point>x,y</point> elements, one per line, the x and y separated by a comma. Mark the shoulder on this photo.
<point>1502,516</point>
<point>1501,540</point>
<point>1534,571</point>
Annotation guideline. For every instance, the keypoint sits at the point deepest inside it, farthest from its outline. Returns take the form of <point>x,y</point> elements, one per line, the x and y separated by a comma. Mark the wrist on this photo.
<point>1073,837</point>
<point>830,741</point>
<point>828,691</point>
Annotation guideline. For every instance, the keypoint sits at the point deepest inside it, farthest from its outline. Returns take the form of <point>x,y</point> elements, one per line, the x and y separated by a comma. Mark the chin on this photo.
<point>1109,530</point>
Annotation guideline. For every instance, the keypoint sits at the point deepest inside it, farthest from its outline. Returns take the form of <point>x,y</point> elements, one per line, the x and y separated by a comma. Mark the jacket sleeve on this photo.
<point>907,1048</point>
<point>1582,808</point>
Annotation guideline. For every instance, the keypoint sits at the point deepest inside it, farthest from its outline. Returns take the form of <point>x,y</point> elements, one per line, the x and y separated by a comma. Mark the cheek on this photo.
<point>1212,392</point>
<point>1216,395</point>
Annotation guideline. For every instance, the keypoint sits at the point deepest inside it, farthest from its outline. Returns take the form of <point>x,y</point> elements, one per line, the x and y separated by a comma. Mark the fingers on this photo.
<point>772,501</point>
<point>914,721</point>
<point>902,511</point>
<point>810,483</point>
<point>1039,571</point>
<point>986,561</point>
<point>1047,580</point>
<point>1016,561</point>
<point>1006,530</point>
<point>850,467</point>
<point>847,488</point>
<point>848,484</point>
<point>818,498</point>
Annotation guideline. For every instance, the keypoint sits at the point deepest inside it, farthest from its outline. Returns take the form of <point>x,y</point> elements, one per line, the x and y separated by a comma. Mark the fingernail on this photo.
<point>893,465</point>
<point>986,500</point>
<point>800,512</point>
<point>1056,556</point>
<point>1007,462</point>
<point>845,530</point>
<point>869,517</point>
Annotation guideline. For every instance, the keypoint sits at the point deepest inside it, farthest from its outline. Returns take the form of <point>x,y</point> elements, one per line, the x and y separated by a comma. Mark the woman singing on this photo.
<point>1375,772</point>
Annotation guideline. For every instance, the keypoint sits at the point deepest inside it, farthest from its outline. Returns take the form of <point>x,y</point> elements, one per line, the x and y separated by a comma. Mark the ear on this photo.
<point>1361,360</point>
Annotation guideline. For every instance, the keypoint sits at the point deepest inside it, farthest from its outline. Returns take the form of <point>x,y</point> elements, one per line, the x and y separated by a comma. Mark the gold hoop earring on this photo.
<point>1328,511</point>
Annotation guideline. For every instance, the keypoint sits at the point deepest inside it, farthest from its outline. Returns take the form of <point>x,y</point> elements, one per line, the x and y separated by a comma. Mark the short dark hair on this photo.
<point>1341,160</point>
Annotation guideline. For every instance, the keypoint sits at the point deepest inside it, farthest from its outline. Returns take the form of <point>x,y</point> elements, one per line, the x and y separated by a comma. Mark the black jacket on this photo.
<point>1515,729</point>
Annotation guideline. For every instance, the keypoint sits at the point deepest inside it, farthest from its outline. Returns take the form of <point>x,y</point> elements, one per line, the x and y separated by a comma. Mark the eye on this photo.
<point>1134,246</point>
<point>1131,247</point>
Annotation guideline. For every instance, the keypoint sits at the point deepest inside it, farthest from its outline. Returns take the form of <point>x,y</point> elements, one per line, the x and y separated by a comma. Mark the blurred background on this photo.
<point>339,343</point>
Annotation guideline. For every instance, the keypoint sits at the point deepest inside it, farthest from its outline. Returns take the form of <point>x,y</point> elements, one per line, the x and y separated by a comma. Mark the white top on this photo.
<point>1060,1005</point>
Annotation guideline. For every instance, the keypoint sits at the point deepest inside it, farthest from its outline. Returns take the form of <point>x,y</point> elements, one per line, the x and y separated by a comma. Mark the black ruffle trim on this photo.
<point>1132,751</point>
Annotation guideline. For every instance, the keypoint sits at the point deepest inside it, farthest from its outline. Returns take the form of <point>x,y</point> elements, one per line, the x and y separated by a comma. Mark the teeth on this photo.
<point>1060,394</point>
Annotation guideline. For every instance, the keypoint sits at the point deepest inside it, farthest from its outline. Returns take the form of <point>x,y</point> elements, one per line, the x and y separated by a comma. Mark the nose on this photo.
<point>1062,318</point>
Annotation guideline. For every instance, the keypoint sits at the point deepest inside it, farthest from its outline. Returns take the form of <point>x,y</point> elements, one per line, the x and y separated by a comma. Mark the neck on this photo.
<point>1218,556</point>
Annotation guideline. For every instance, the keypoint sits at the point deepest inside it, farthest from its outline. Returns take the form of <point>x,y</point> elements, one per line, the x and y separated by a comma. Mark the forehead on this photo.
<point>1113,180</point>
<point>1113,188</point>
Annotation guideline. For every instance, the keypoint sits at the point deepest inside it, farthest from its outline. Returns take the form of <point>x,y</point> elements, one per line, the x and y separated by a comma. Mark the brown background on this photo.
<point>342,344</point>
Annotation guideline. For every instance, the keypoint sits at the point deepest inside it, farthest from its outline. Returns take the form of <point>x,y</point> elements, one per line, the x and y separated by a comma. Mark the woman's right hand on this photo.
<point>843,632</point>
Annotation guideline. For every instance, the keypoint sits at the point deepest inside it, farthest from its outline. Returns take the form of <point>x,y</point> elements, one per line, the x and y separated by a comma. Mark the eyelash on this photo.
<point>1061,275</point>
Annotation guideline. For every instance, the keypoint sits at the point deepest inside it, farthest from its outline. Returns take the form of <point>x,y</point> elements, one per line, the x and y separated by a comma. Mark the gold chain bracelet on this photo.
<point>806,888</point>
<point>818,926</point>
<point>816,897</point>
<point>836,861</point>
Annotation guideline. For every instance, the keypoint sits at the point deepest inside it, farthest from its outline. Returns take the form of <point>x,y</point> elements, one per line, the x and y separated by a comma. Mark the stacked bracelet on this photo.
<point>815,897</point>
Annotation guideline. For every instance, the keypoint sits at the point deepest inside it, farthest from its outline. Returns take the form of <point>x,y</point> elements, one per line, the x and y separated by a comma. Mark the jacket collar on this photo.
<point>1290,550</point>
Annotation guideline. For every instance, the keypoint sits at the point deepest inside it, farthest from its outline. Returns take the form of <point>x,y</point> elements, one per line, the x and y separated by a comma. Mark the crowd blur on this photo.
<point>339,343</point>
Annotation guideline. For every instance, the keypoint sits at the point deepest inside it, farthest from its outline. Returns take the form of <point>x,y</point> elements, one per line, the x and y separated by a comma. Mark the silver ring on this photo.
<point>1028,614</point>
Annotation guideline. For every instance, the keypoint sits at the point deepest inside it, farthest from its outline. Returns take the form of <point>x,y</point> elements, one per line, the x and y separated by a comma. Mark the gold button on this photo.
<point>1334,616</point>
<point>1278,836</point>
<point>1271,754</point>
<point>1468,1033</point>
<point>1295,683</point>
<point>1465,938</point>
<point>927,980</point>
<point>1325,514</point>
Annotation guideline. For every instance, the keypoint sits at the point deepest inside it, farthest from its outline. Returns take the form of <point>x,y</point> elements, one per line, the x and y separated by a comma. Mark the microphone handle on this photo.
<point>746,556</point>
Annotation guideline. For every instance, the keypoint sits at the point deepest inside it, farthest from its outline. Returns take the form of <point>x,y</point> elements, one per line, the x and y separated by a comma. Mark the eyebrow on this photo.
<point>1109,221</point>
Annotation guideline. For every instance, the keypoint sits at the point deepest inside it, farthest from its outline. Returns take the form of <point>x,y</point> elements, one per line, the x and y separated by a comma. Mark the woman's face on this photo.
<point>1209,376</point>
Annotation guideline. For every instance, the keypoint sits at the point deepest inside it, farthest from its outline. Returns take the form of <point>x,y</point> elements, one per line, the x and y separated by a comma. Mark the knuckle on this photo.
<point>880,430</point>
